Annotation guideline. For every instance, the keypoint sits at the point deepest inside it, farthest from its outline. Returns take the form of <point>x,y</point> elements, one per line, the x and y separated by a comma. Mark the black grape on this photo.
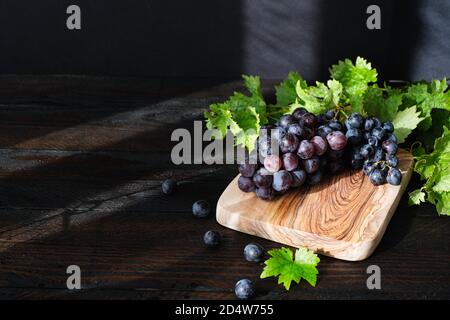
<point>320,145</point>
<point>246,184</point>
<point>298,178</point>
<point>305,150</point>
<point>286,120</point>
<point>282,180</point>
<point>324,130</point>
<point>336,140</point>
<point>389,146</point>
<point>377,177</point>
<point>263,178</point>
<point>272,163</point>
<point>394,176</point>
<point>299,112</point>
<point>247,170</point>
<point>290,161</point>
<point>265,193</point>
<point>311,165</point>
<point>289,143</point>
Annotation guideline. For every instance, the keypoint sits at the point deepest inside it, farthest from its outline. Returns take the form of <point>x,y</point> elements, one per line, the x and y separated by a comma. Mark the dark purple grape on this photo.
<point>286,120</point>
<point>373,141</point>
<point>315,178</point>
<point>305,150</point>
<point>298,178</point>
<point>169,186</point>
<point>308,133</point>
<point>272,163</point>
<point>299,112</point>
<point>329,114</point>
<point>355,120</point>
<point>392,137</point>
<point>253,252</point>
<point>265,193</point>
<point>377,177</point>
<point>246,184</point>
<point>311,165</point>
<point>335,125</point>
<point>377,122</point>
<point>320,120</point>
<point>366,136</point>
<point>320,145</point>
<point>263,178</point>
<point>394,177</point>
<point>354,136</point>
<point>212,239</point>
<point>389,146</point>
<point>388,127</point>
<point>392,160</point>
<point>323,131</point>
<point>282,180</point>
<point>201,209</point>
<point>378,133</point>
<point>278,133</point>
<point>368,167</point>
<point>366,151</point>
<point>290,161</point>
<point>334,155</point>
<point>336,140</point>
<point>296,129</point>
<point>289,143</point>
<point>244,289</point>
<point>369,123</point>
<point>308,120</point>
<point>378,155</point>
<point>247,169</point>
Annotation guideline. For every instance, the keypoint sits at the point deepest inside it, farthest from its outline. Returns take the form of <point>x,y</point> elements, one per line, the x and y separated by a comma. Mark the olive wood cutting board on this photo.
<point>345,216</point>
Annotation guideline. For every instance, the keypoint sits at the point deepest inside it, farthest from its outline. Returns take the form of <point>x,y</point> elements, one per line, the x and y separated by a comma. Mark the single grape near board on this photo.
<point>311,147</point>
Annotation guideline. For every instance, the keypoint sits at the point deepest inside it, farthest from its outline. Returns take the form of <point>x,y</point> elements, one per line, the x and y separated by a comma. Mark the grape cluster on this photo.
<point>302,148</point>
<point>374,149</point>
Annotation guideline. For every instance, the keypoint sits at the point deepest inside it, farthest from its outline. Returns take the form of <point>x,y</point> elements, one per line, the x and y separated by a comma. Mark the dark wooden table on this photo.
<point>81,162</point>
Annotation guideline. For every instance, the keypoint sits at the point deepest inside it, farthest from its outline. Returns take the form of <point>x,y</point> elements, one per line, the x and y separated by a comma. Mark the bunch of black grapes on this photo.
<point>302,148</point>
<point>374,148</point>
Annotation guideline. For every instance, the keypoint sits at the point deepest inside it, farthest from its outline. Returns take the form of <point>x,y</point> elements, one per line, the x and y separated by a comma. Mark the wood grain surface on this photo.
<point>344,216</point>
<point>94,200</point>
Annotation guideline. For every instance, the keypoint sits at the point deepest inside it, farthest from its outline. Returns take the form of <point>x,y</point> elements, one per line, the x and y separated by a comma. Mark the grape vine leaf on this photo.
<point>416,197</point>
<point>281,264</point>
<point>440,118</point>
<point>219,117</point>
<point>405,122</point>
<point>435,169</point>
<point>319,98</point>
<point>429,96</point>
<point>241,114</point>
<point>285,91</point>
<point>355,79</point>
<point>375,104</point>
<point>256,99</point>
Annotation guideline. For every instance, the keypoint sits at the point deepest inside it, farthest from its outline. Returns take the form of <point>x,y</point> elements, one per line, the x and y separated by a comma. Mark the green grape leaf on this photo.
<point>282,264</point>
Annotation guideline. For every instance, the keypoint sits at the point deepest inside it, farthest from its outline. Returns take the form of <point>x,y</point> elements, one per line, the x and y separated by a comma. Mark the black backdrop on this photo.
<point>223,38</point>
